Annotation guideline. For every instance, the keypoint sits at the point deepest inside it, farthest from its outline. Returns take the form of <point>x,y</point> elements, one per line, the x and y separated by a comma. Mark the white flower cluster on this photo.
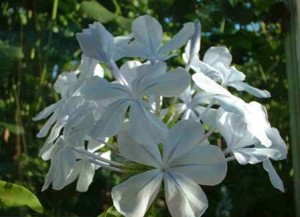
<point>156,120</point>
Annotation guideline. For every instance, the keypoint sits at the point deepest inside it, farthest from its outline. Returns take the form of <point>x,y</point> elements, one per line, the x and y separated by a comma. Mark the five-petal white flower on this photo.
<point>246,148</point>
<point>216,65</point>
<point>148,35</point>
<point>186,161</point>
<point>144,80</point>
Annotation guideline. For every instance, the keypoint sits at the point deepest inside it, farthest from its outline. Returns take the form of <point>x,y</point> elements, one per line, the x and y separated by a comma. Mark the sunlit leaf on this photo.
<point>12,195</point>
<point>96,11</point>
<point>11,52</point>
<point>110,212</point>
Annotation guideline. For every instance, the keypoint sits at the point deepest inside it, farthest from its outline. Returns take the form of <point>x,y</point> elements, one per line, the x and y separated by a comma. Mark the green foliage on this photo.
<point>10,52</point>
<point>12,195</point>
<point>110,212</point>
<point>96,11</point>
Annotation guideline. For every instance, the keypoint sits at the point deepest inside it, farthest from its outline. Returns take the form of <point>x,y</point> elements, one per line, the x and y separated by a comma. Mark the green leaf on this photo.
<point>96,11</point>
<point>233,3</point>
<point>11,52</point>
<point>13,128</point>
<point>12,195</point>
<point>110,212</point>
<point>263,4</point>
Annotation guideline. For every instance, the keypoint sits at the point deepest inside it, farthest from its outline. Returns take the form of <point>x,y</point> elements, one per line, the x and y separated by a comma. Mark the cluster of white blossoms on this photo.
<point>153,122</point>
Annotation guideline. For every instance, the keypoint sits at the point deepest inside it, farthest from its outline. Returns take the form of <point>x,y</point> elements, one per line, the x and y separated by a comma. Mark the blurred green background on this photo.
<point>37,42</point>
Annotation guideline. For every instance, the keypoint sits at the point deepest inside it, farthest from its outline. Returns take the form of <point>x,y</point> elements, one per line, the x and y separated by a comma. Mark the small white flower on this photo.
<point>96,42</point>
<point>192,106</point>
<point>144,80</point>
<point>185,162</point>
<point>216,65</point>
<point>148,35</point>
<point>71,103</point>
<point>247,148</point>
<point>67,165</point>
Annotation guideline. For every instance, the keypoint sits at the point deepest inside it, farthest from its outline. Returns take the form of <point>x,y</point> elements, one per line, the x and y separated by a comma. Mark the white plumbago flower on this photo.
<point>84,170</point>
<point>148,35</point>
<point>96,42</point>
<point>88,68</point>
<point>256,118</point>
<point>192,106</point>
<point>192,47</point>
<point>186,161</point>
<point>68,164</point>
<point>63,160</point>
<point>246,148</point>
<point>216,65</point>
<point>71,103</point>
<point>253,113</point>
<point>145,80</point>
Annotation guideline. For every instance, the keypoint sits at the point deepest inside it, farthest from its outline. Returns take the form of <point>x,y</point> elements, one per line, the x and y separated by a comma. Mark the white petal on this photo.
<point>97,88</point>
<point>96,42</point>
<point>207,115</point>
<point>145,74</point>
<point>193,46</point>
<point>46,111</point>
<point>144,126</point>
<point>64,83</point>
<point>63,161</point>
<point>84,171</point>
<point>98,71</point>
<point>205,164</point>
<point>137,49</point>
<point>121,47</point>
<point>182,137</point>
<point>277,143</point>
<point>111,120</point>
<point>95,145</point>
<point>88,68</point>
<point>254,155</point>
<point>147,31</point>
<point>66,160</point>
<point>233,75</point>
<point>212,72</point>
<point>274,177</point>
<point>106,155</point>
<point>186,95</point>
<point>140,153</point>
<point>49,177</point>
<point>46,127</point>
<point>242,86</point>
<point>48,150</point>
<point>208,85</point>
<point>129,70</point>
<point>201,98</point>
<point>179,39</point>
<point>217,55</point>
<point>133,197</point>
<point>55,131</point>
<point>167,85</point>
<point>234,129</point>
<point>86,176</point>
<point>258,123</point>
<point>232,104</point>
<point>184,197</point>
<point>77,128</point>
